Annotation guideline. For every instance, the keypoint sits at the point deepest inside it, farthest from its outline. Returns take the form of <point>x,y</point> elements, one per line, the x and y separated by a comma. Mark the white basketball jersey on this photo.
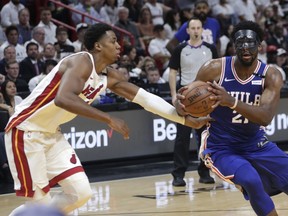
<point>38,111</point>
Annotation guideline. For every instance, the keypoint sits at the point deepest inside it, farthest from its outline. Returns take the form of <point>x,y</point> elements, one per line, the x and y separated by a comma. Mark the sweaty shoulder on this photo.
<point>210,71</point>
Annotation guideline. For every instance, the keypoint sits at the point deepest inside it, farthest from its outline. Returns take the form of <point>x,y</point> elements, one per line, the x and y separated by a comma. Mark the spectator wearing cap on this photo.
<point>9,13</point>
<point>63,46</point>
<point>38,37</point>
<point>80,28</point>
<point>157,48</point>
<point>280,62</point>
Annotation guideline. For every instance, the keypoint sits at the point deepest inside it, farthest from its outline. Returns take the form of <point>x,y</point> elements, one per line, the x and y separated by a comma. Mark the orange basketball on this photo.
<point>197,99</point>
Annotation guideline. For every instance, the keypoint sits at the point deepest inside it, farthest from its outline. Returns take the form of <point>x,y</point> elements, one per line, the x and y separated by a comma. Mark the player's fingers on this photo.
<point>180,91</point>
<point>216,104</point>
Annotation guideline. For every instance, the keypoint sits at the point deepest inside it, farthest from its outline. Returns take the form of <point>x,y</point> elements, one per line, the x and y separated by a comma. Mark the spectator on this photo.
<point>245,10</point>
<point>6,111</point>
<point>124,70</point>
<point>134,8</point>
<point>12,35</point>
<point>110,8</point>
<point>147,62</point>
<point>225,39</point>
<point>31,66</point>
<point>153,76</point>
<point>225,13</point>
<point>131,27</point>
<point>2,35</point>
<point>157,48</point>
<point>48,25</point>
<point>278,38</point>
<point>262,54</point>
<point>38,37</point>
<point>185,14</point>
<point>85,6</point>
<point>9,54</point>
<point>157,10</point>
<point>9,13</point>
<point>211,27</point>
<point>145,26</point>
<point>281,62</point>
<point>24,28</point>
<point>80,28</point>
<point>49,52</point>
<point>9,91</point>
<point>171,23</point>
<point>47,67</point>
<point>12,70</point>
<point>60,13</point>
<point>63,46</point>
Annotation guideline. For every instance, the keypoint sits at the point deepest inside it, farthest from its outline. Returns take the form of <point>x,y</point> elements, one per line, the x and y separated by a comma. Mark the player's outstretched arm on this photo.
<point>151,102</point>
<point>75,71</point>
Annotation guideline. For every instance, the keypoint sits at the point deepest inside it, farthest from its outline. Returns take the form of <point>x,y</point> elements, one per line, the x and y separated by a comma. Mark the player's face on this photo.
<point>110,46</point>
<point>246,45</point>
<point>195,29</point>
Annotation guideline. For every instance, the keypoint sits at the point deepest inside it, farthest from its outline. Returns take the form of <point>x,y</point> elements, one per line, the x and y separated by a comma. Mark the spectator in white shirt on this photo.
<point>48,66</point>
<point>80,28</point>
<point>9,13</point>
<point>38,37</point>
<point>48,25</point>
<point>12,35</point>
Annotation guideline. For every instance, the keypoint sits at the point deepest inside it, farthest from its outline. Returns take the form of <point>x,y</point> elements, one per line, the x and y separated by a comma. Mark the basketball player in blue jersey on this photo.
<point>39,155</point>
<point>235,147</point>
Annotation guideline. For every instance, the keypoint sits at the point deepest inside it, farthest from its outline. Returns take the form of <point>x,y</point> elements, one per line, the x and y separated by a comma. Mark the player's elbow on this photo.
<point>59,101</point>
<point>265,121</point>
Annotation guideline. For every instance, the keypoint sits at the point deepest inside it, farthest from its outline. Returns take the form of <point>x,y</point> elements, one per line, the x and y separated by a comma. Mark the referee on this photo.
<point>186,60</point>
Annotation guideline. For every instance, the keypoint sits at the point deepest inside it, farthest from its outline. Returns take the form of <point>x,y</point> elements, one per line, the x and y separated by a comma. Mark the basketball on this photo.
<point>197,101</point>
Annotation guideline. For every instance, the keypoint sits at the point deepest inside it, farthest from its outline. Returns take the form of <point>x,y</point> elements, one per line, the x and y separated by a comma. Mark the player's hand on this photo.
<point>180,108</point>
<point>197,123</point>
<point>221,97</point>
<point>120,126</point>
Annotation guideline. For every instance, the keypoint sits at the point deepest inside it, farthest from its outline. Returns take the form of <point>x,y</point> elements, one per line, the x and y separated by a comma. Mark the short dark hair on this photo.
<point>94,33</point>
<point>251,26</point>
<point>31,44</point>
<point>201,1</point>
<point>11,28</point>
<point>158,28</point>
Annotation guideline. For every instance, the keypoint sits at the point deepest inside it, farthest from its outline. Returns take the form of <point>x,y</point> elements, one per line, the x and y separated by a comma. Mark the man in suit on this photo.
<point>31,66</point>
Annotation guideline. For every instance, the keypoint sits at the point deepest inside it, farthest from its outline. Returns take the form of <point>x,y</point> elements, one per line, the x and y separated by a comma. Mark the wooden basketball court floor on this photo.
<point>155,195</point>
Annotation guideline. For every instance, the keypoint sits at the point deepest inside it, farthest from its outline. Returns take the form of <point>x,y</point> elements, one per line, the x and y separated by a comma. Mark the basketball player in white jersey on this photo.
<point>39,156</point>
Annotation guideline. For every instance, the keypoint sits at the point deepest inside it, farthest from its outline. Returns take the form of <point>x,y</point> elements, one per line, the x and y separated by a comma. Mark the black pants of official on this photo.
<point>181,149</point>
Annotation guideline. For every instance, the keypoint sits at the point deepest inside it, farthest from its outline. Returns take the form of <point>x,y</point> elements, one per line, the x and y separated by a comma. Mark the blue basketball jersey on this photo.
<point>230,126</point>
